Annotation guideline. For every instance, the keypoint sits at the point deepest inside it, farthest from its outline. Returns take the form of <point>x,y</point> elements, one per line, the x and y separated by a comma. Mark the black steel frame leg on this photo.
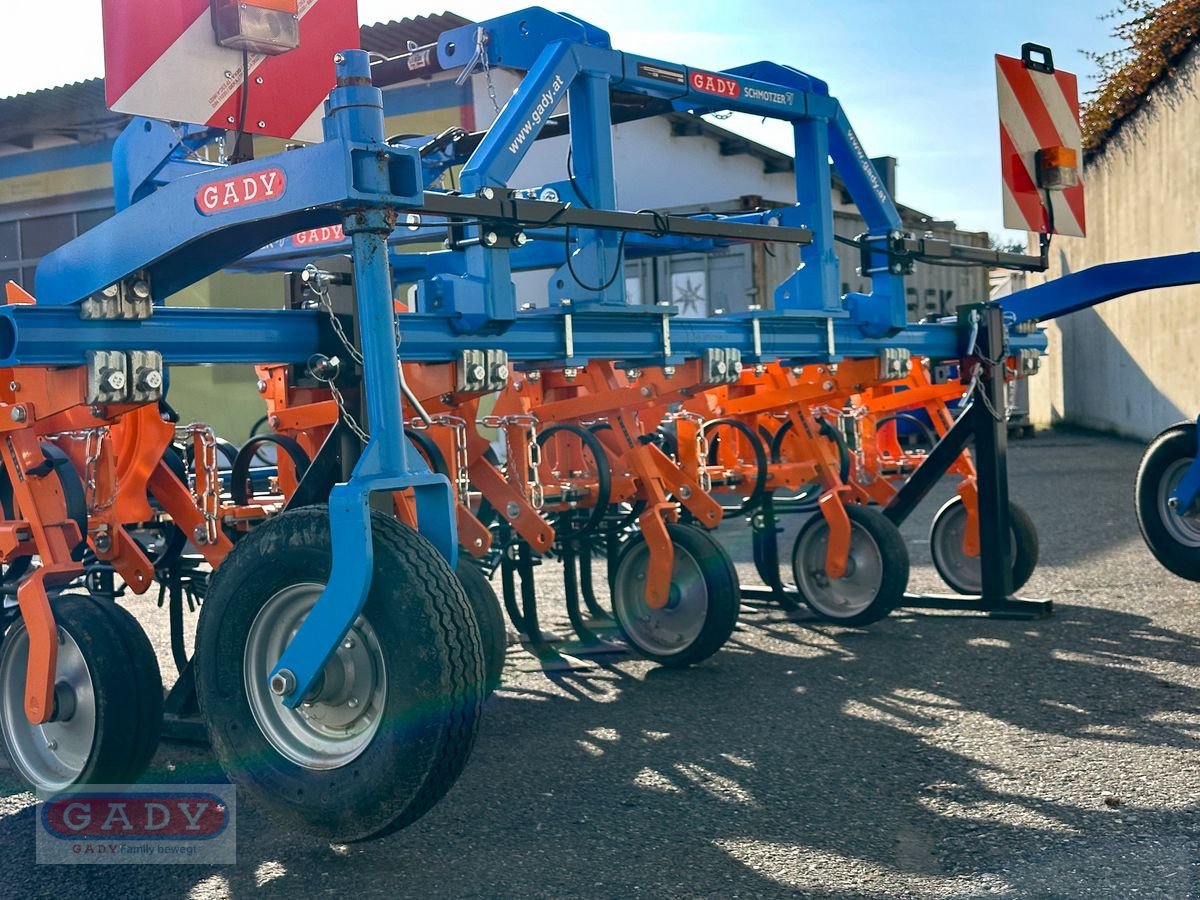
<point>991,463</point>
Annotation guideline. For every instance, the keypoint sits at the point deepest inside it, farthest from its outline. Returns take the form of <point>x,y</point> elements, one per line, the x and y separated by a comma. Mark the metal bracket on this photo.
<point>895,363</point>
<point>482,371</point>
<point>107,376</point>
<point>128,299</point>
<point>1029,362</point>
<point>722,365</point>
<point>145,376</point>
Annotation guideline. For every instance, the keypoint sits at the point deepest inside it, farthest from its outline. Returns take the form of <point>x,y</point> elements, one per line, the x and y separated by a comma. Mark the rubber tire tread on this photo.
<point>489,617</point>
<point>146,679</point>
<point>426,629</point>
<point>1177,442</point>
<point>112,757</point>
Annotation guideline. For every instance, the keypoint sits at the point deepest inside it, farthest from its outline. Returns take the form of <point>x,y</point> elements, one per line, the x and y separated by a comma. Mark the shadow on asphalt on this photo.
<point>811,741</point>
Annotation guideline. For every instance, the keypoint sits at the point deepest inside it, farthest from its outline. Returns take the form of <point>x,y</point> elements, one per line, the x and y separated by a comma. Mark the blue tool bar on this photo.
<point>1089,287</point>
<point>56,336</point>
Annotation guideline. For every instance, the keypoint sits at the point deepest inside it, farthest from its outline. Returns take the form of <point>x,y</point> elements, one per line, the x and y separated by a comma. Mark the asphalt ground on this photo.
<point>931,755</point>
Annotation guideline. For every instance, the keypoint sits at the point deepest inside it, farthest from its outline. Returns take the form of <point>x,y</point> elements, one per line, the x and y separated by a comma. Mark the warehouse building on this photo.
<point>56,182</point>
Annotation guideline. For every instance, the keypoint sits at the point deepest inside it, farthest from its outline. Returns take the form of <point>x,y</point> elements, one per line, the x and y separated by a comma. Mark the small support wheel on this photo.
<point>104,723</point>
<point>393,717</point>
<point>490,619</point>
<point>964,573</point>
<point>876,572</point>
<point>1174,539</point>
<point>703,607</point>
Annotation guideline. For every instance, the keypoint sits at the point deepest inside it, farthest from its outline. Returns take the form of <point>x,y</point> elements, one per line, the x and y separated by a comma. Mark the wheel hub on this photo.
<point>53,755</point>
<point>340,716</point>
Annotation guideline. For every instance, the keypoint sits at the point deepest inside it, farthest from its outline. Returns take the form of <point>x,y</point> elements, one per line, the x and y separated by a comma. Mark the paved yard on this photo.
<point>932,755</point>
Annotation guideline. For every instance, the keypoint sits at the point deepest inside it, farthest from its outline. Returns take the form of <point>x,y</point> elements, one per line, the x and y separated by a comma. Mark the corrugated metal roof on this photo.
<point>391,38</point>
<point>78,110</point>
<point>73,110</point>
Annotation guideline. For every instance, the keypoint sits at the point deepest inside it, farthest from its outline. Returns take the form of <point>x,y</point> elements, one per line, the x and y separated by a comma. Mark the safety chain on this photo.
<point>702,446</point>
<point>480,59</point>
<point>209,503</point>
<point>322,293</point>
<point>93,448</point>
<point>462,480</point>
<point>537,493</point>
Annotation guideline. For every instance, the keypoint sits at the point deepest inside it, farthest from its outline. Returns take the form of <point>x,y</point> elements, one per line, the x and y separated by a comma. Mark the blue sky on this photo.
<point>915,76</point>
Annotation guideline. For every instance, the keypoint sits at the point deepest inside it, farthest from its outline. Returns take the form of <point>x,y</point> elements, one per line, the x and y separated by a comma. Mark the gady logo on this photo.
<point>245,190</point>
<point>330,234</point>
<point>716,84</point>
<point>135,817</point>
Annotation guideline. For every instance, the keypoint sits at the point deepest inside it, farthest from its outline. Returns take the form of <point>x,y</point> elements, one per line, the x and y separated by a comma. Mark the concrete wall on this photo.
<point>1129,366</point>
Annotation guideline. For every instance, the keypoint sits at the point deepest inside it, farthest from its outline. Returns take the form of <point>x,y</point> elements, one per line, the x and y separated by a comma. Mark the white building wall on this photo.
<point>1130,365</point>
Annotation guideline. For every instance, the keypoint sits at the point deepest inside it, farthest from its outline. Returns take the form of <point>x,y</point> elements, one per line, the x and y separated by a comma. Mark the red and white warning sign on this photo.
<point>162,60</point>
<point>1041,147</point>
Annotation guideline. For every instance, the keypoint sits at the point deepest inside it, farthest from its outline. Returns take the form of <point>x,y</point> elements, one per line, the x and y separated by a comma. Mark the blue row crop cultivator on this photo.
<point>340,663</point>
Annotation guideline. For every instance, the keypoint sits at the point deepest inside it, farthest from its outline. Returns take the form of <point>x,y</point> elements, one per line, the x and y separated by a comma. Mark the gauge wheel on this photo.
<point>876,573</point>
<point>393,717</point>
<point>704,602</point>
<point>964,573</point>
<point>1174,539</point>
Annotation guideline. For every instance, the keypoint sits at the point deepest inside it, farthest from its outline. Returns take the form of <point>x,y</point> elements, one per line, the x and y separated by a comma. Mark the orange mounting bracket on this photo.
<point>837,554</point>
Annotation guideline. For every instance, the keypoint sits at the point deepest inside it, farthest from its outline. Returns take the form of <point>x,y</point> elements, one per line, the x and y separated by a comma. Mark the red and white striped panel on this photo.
<point>162,60</point>
<point>1038,111</point>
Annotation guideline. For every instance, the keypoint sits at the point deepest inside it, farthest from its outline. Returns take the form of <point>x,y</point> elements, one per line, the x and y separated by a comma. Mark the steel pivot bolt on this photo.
<point>513,509</point>
<point>262,387</point>
<point>149,379</point>
<point>283,683</point>
<point>113,380</point>
<point>103,543</point>
<point>18,414</point>
<point>487,193</point>
<point>200,535</point>
<point>685,493</point>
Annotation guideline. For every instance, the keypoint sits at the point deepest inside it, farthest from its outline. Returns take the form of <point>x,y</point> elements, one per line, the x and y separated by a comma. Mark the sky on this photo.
<point>916,77</point>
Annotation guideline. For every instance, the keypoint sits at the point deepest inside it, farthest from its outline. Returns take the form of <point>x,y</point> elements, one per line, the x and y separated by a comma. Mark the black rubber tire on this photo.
<point>1176,444</point>
<point>723,590</point>
<point>115,755</point>
<point>1025,547</point>
<point>146,679</point>
<point>432,656</point>
<point>490,619</point>
<point>893,554</point>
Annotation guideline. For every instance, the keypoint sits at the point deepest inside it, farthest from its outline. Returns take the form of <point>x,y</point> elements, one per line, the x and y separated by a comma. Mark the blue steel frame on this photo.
<point>466,298</point>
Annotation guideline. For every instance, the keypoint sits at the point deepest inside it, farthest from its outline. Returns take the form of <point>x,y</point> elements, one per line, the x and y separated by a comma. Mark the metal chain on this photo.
<point>322,293</point>
<point>462,480</point>
<point>480,60</point>
<point>93,448</point>
<point>533,484</point>
<point>209,503</point>
<point>702,447</point>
